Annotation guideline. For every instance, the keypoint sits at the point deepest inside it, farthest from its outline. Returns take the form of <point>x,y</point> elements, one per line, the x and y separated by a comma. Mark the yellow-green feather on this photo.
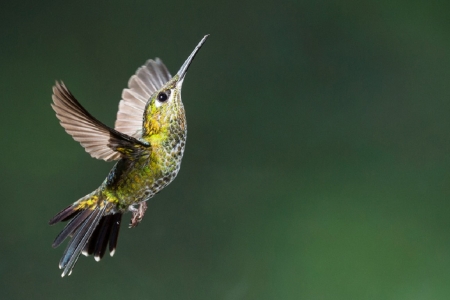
<point>164,128</point>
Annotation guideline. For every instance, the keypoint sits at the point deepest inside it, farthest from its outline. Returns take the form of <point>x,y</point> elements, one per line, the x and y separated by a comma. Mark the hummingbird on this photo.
<point>147,141</point>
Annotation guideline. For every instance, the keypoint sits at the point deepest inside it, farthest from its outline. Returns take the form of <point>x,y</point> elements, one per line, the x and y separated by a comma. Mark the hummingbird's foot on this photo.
<point>138,214</point>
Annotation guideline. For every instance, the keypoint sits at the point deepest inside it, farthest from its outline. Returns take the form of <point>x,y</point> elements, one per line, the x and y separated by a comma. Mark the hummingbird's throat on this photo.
<point>152,126</point>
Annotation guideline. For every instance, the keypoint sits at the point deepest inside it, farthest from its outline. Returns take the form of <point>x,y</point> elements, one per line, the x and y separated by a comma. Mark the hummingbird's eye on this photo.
<point>163,96</point>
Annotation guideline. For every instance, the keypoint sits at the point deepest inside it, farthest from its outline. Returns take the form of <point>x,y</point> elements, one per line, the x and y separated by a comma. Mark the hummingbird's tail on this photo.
<point>91,226</point>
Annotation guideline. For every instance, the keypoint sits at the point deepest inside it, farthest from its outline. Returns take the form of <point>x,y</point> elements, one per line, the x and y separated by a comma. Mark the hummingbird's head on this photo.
<point>164,112</point>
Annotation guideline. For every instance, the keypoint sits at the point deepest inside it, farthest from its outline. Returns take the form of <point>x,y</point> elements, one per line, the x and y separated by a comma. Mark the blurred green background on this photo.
<point>317,163</point>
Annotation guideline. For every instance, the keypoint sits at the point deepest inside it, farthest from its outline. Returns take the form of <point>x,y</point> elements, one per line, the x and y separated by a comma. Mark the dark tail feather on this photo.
<point>71,227</point>
<point>90,246</point>
<point>90,231</point>
<point>79,240</point>
<point>114,235</point>
<point>64,215</point>
<point>103,238</point>
<point>99,239</point>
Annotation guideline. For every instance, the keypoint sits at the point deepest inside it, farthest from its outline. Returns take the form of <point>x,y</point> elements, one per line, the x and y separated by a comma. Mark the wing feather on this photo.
<point>148,79</point>
<point>99,140</point>
<point>80,124</point>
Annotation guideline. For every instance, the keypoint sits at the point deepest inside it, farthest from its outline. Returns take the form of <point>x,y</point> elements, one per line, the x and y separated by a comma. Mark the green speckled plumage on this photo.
<point>132,181</point>
<point>148,141</point>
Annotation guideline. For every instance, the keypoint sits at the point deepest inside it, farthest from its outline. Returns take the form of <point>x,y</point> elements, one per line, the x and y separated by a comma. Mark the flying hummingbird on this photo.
<point>148,141</point>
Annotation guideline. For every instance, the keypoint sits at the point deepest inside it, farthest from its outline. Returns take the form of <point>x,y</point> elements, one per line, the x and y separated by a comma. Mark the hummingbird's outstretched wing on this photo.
<point>99,140</point>
<point>148,79</point>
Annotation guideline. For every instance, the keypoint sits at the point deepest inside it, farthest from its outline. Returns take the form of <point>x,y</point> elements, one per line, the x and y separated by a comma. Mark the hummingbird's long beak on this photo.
<point>182,72</point>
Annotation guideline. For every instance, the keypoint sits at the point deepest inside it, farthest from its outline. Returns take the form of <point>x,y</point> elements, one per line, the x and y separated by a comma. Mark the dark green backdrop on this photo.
<point>317,163</point>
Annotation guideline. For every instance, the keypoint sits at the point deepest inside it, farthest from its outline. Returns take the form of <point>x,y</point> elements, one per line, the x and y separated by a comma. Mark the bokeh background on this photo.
<point>317,163</point>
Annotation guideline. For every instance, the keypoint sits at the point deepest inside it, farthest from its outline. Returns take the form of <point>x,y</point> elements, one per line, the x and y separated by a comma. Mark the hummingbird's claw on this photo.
<point>138,214</point>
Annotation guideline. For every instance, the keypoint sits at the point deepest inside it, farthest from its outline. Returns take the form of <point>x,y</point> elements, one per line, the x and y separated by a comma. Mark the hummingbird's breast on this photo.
<point>134,181</point>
